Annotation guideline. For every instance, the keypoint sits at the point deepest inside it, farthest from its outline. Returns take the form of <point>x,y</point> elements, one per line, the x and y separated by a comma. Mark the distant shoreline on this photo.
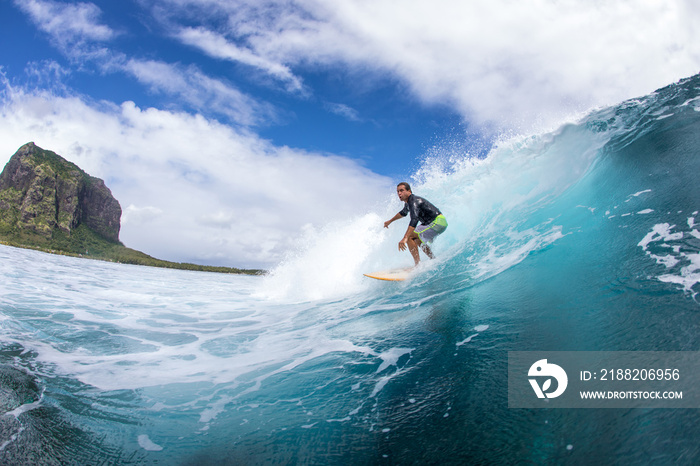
<point>132,257</point>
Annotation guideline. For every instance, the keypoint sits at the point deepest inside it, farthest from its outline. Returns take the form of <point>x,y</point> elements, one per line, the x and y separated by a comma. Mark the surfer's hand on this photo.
<point>387,223</point>
<point>402,244</point>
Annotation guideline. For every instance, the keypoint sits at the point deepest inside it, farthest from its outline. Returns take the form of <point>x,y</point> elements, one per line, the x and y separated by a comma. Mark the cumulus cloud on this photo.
<point>498,63</point>
<point>192,188</point>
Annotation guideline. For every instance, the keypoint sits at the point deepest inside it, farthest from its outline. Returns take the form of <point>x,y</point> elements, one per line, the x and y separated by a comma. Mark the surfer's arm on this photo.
<point>394,218</point>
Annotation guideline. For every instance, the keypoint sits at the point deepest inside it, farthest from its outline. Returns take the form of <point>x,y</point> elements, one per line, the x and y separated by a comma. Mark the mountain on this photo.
<point>45,197</point>
<point>49,203</point>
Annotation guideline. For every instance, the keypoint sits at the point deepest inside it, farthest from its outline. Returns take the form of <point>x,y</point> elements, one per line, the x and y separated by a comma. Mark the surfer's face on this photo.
<point>403,193</point>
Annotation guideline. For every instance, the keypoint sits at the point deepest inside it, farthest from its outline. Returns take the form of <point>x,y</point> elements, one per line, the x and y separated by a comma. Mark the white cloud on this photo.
<point>76,31</point>
<point>71,25</point>
<point>218,46</point>
<point>343,110</point>
<point>194,189</point>
<point>139,216</point>
<point>500,62</point>
<point>203,93</point>
<point>72,19</point>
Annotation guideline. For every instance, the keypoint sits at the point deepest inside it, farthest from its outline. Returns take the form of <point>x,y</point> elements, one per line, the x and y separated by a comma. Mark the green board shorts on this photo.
<point>427,233</point>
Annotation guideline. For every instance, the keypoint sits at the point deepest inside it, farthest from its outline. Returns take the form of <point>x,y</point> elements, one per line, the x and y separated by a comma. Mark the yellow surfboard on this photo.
<point>393,275</point>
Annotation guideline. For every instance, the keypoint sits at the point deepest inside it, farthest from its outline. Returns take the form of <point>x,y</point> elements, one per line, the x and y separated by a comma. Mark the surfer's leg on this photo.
<point>413,243</point>
<point>423,245</point>
<point>426,249</point>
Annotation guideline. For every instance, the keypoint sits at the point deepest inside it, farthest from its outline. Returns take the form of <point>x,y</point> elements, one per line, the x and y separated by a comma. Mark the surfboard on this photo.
<point>393,275</point>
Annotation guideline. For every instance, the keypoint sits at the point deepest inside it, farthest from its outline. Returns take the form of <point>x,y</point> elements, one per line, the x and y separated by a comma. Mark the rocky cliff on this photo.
<point>43,196</point>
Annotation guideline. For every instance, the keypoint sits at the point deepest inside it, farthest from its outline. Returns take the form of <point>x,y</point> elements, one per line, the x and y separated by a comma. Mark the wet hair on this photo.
<point>405,185</point>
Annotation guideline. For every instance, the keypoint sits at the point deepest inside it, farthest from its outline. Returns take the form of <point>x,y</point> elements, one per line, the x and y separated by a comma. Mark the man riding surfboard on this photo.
<point>432,222</point>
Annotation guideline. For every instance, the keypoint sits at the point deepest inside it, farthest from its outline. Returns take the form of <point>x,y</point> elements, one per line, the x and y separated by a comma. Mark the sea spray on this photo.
<point>329,262</point>
<point>487,201</point>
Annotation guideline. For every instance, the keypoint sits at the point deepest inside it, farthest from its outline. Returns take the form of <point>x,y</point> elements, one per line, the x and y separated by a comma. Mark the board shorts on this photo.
<point>427,233</point>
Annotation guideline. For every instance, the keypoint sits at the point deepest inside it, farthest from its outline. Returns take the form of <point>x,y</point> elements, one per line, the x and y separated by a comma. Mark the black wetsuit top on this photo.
<point>420,209</point>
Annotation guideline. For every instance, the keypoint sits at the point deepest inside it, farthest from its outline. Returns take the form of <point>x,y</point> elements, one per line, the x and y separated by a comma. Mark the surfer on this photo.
<point>432,222</point>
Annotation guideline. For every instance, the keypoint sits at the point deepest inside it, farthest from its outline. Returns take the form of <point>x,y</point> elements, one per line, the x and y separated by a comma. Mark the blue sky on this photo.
<point>286,115</point>
<point>378,121</point>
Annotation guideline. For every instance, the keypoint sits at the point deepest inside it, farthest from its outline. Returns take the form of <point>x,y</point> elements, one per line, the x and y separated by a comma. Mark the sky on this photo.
<point>229,129</point>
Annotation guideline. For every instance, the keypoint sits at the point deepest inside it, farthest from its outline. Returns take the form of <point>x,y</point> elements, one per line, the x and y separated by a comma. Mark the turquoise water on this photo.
<point>586,238</point>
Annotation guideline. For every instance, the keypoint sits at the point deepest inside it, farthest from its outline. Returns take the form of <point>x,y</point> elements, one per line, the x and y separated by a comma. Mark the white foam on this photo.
<point>637,194</point>
<point>380,385</point>
<point>23,408</point>
<point>214,410</point>
<point>467,340</point>
<point>343,419</point>
<point>392,356</point>
<point>147,444</point>
<point>668,260</point>
<point>660,232</point>
<point>389,358</point>
<point>162,327</point>
<point>689,274</point>
<point>497,261</point>
<point>478,328</point>
<point>331,262</point>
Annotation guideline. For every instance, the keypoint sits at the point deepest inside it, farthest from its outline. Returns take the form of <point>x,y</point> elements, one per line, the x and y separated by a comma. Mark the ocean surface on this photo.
<point>586,238</point>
